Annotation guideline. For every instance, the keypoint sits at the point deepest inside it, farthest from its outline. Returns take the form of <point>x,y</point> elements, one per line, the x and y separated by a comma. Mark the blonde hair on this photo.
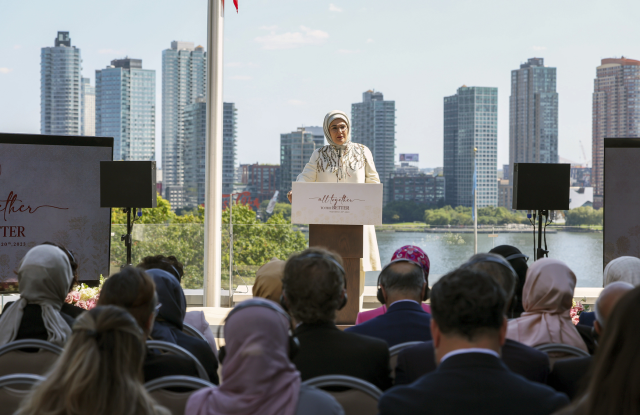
<point>99,372</point>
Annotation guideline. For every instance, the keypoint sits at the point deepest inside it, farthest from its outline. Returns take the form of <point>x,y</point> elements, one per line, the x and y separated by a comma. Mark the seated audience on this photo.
<point>547,298</point>
<point>417,255</point>
<point>614,376</point>
<point>133,290</point>
<point>567,374</point>
<point>313,290</point>
<point>468,327</point>
<point>195,318</point>
<point>526,361</point>
<point>403,287</point>
<point>268,282</point>
<point>45,277</point>
<point>259,377</point>
<point>99,372</point>
<point>625,269</point>
<point>518,261</point>
<point>70,309</point>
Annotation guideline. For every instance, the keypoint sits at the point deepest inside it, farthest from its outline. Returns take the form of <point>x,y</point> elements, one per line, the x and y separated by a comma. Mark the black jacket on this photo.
<point>32,324</point>
<point>568,375</point>
<point>325,350</point>
<point>419,360</point>
<point>468,384</point>
<point>404,321</point>
<point>157,366</point>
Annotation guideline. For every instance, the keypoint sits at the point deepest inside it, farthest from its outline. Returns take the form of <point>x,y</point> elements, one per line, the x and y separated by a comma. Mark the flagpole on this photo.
<point>475,203</point>
<point>213,182</point>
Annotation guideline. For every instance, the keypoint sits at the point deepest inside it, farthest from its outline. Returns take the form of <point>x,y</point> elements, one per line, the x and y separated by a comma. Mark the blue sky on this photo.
<point>289,62</point>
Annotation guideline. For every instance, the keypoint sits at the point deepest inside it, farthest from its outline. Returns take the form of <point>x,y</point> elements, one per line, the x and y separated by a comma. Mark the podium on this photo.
<point>336,214</point>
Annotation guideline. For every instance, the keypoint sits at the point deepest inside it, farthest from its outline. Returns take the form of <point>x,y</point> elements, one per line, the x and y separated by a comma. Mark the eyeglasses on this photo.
<point>157,310</point>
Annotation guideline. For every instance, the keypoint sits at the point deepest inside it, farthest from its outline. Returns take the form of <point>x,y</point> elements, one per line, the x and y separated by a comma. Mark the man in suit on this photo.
<point>533,364</point>
<point>469,327</point>
<point>313,289</point>
<point>568,374</point>
<point>403,288</point>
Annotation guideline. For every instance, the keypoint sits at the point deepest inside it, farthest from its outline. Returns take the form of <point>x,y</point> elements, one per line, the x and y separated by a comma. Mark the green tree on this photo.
<point>585,215</point>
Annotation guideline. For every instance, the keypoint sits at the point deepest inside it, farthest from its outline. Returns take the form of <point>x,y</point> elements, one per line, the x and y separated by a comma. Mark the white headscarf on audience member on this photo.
<point>624,268</point>
<point>331,117</point>
<point>45,278</point>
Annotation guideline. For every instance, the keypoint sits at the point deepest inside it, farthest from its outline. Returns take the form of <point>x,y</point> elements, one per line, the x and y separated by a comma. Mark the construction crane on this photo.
<point>584,155</point>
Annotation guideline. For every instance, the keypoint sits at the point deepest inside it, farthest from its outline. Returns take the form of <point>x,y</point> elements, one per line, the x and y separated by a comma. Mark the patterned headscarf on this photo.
<point>413,254</point>
<point>329,118</point>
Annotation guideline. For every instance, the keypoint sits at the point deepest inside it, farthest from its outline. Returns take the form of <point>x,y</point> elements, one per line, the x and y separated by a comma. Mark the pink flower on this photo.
<point>75,296</point>
<point>69,299</point>
<point>91,303</point>
<point>82,304</point>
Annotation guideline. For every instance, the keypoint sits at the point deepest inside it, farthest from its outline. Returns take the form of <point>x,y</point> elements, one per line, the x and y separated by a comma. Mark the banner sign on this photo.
<point>409,157</point>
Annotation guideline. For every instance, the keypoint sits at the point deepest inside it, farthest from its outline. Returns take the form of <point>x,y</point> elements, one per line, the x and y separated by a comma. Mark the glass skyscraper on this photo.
<point>229,123</point>
<point>471,121</point>
<point>373,123</point>
<point>126,108</point>
<point>88,108</point>
<point>60,89</point>
<point>533,114</point>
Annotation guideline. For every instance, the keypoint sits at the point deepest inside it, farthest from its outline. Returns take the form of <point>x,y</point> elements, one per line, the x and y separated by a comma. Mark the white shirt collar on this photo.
<point>400,301</point>
<point>469,350</point>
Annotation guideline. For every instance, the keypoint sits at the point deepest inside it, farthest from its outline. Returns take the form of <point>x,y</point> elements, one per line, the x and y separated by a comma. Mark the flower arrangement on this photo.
<point>84,296</point>
<point>576,309</point>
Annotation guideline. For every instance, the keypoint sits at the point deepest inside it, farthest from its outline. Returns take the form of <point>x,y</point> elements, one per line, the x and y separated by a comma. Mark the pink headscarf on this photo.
<point>546,297</point>
<point>258,376</point>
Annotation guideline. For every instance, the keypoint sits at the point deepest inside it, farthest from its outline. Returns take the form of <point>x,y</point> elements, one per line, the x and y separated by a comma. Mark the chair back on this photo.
<point>14,389</point>
<point>173,400</point>
<point>192,331</point>
<point>166,347</point>
<point>14,358</point>
<point>394,351</point>
<point>359,398</point>
<point>558,351</point>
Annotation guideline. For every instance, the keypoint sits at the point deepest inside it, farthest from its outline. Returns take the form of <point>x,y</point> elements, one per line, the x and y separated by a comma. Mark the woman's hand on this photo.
<point>290,196</point>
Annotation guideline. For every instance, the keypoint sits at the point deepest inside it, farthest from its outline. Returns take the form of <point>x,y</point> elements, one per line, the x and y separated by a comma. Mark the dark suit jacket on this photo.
<point>568,375</point>
<point>419,360</point>
<point>325,350</point>
<point>472,383</point>
<point>587,318</point>
<point>32,324</point>
<point>403,322</point>
<point>157,366</point>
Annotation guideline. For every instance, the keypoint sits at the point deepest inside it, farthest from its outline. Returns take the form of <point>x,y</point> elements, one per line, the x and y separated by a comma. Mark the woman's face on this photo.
<point>339,131</point>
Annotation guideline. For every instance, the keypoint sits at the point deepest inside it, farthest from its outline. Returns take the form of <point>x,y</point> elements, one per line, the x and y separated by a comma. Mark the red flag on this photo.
<point>235,3</point>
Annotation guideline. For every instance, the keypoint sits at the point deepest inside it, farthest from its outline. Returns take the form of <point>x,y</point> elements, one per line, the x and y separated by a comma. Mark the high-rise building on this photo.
<point>126,108</point>
<point>616,112</point>
<point>533,115</point>
<point>295,151</point>
<point>88,108</point>
<point>373,124</point>
<point>417,187</point>
<point>471,122</point>
<point>229,123</point>
<point>263,180</point>
<point>184,79</point>
<point>60,89</point>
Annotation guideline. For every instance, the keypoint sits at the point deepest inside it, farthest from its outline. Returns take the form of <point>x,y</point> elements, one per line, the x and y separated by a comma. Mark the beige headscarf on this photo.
<point>624,268</point>
<point>547,297</point>
<point>328,119</point>
<point>45,278</point>
<point>268,282</point>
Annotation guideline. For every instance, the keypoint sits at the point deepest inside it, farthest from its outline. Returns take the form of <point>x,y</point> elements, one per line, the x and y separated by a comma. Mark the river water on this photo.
<point>582,252</point>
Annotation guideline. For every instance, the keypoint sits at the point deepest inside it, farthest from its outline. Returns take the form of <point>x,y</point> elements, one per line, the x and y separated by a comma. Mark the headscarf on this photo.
<point>520,266</point>
<point>624,268</point>
<point>258,376</point>
<point>44,278</point>
<point>174,306</point>
<point>328,119</point>
<point>414,254</point>
<point>268,282</point>
<point>547,299</point>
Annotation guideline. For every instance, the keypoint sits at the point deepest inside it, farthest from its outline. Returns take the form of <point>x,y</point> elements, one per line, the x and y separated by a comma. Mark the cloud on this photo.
<point>369,40</point>
<point>539,48</point>
<point>17,47</point>
<point>111,51</point>
<point>295,102</point>
<point>347,51</point>
<point>241,78</point>
<point>334,8</point>
<point>5,70</point>
<point>290,40</point>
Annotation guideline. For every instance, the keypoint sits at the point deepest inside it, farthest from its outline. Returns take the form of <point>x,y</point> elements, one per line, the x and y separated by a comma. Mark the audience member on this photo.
<point>168,323</point>
<point>469,327</point>
<point>44,277</point>
<point>568,374</point>
<point>409,252</point>
<point>614,378</point>
<point>403,288</point>
<point>100,371</point>
<point>133,290</point>
<point>268,282</point>
<point>518,261</point>
<point>259,377</point>
<point>547,298</point>
<point>313,290</point>
<point>70,309</point>
<point>526,361</point>
<point>195,318</point>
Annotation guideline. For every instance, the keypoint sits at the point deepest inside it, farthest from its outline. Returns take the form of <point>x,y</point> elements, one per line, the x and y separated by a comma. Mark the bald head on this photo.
<point>609,296</point>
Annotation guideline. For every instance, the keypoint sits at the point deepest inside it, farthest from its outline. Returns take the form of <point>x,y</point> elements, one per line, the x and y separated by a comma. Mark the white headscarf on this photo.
<point>45,278</point>
<point>328,119</point>
<point>624,268</point>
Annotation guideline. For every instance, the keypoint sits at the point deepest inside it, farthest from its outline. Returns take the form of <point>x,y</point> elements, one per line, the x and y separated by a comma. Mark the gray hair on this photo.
<point>402,277</point>
<point>611,293</point>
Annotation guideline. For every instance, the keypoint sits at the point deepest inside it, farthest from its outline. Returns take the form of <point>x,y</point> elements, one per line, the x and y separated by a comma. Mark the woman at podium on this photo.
<point>342,161</point>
